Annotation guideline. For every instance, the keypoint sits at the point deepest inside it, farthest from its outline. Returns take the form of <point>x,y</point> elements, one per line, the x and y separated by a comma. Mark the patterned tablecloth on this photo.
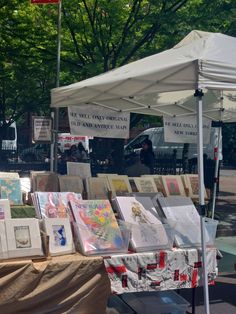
<point>163,270</point>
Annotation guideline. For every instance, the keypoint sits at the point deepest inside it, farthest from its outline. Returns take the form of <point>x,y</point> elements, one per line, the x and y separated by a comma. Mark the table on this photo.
<point>65,284</point>
<point>163,270</point>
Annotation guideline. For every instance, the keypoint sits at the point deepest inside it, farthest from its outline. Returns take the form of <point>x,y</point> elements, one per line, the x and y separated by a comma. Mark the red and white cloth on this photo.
<point>163,270</point>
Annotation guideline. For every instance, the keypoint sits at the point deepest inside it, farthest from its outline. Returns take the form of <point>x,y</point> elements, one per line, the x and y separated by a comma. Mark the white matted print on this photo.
<point>173,185</point>
<point>145,185</point>
<point>60,235</point>
<point>119,185</point>
<point>192,185</point>
<point>97,188</point>
<point>3,240</point>
<point>158,180</point>
<point>5,210</point>
<point>23,237</point>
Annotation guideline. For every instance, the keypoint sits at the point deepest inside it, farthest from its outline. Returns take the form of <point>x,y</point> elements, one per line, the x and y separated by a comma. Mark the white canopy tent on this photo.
<point>164,84</point>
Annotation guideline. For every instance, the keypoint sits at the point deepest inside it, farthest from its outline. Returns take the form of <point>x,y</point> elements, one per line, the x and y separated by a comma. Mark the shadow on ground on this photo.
<point>222,297</point>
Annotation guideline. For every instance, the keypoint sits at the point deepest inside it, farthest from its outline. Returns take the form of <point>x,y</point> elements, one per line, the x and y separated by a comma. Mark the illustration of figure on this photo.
<point>51,208</point>
<point>138,214</point>
<point>62,208</point>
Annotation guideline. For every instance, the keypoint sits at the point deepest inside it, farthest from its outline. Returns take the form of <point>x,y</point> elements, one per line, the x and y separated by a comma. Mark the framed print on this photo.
<point>46,182</point>
<point>192,185</point>
<point>55,204</point>
<point>5,210</point>
<point>81,169</point>
<point>96,227</point>
<point>181,212</point>
<point>119,185</point>
<point>97,188</point>
<point>158,180</point>
<point>9,175</point>
<point>147,231</point>
<point>11,189</point>
<point>60,235</point>
<point>3,241</point>
<point>71,184</point>
<point>173,185</point>
<point>145,185</point>
<point>23,237</point>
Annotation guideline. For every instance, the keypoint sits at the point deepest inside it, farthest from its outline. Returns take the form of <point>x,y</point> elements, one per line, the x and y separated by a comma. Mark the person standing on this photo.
<point>147,156</point>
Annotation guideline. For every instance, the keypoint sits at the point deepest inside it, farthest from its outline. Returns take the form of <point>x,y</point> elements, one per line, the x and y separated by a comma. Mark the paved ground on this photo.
<point>223,294</point>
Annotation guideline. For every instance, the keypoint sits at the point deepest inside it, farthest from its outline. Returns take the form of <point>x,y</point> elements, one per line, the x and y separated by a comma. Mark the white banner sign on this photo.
<point>42,129</point>
<point>90,120</point>
<point>184,129</point>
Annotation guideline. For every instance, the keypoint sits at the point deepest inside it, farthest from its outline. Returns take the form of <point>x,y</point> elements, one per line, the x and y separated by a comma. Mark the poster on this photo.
<point>184,129</point>
<point>92,120</point>
<point>42,129</point>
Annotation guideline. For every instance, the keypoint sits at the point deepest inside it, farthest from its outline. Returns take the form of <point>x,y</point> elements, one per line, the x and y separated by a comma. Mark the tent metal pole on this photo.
<point>199,95</point>
<point>54,145</point>
<point>219,141</point>
<point>216,179</point>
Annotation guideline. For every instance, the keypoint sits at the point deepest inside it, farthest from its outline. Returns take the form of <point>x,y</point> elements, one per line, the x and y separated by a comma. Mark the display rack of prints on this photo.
<point>96,227</point>
<point>3,241</point>
<point>60,235</point>
<point>54,204</point>
<point>97,188</point>
<point>11,189</point>
<point>46,182</point>
<point>145,185</point>
<point>181,212</point>
<point>119,185</point>
<point>81,169</point>
<point>147,230</point>
<point>173,185</point>
<point>5,210</point>
<point>23,237</point>
<point>71,184</point>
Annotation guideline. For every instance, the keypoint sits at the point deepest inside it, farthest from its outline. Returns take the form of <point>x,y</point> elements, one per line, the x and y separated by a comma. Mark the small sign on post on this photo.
<point>42,129</point>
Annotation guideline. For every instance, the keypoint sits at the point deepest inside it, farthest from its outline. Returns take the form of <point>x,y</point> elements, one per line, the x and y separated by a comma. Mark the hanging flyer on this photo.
<point>92,120</point>
<point>42,129</point>
<point>184,129</point>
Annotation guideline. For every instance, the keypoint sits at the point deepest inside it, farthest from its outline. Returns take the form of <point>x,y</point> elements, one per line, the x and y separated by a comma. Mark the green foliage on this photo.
<point>97,35</point>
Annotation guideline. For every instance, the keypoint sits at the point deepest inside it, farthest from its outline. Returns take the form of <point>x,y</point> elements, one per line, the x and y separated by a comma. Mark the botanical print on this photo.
<point>147,231</point>
<point>97,188</point>
<point>194,184</point>
<point>173,186</point>
<point>22,236</point>
<point>97,226</point>
<point>119,186</point>
<point>11,189</point>
<point>59,235</point>
<point>146,185</point>
<point>159,183</point>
